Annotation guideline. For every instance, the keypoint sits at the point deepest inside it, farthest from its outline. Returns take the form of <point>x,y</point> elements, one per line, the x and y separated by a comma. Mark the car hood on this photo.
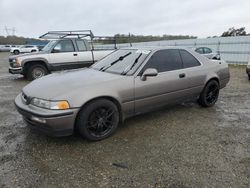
<point>27,54</point>
<point>59,84</point>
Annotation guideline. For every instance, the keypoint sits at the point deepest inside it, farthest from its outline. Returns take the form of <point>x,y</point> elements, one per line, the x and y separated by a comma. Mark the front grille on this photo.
<point>11,64</point>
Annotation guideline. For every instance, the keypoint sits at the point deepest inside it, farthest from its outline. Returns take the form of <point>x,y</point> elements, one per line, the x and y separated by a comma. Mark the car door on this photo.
<point>195,74</point>
<point>84,53</point>
<point>28,49</point>
<point>164,88</point>
<point>63,55</point>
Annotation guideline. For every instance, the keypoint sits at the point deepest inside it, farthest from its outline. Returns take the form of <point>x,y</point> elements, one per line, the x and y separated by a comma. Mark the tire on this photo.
<point>98,120</point>
<point>36,71</point>
<point>248,76</point>
<point>210,94</point>
<point>16,52</point>
<point>33,51</point>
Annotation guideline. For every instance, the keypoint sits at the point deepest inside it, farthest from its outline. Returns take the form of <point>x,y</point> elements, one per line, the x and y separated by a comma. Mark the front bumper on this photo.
<point>18,70</point>
<point>54,122</point>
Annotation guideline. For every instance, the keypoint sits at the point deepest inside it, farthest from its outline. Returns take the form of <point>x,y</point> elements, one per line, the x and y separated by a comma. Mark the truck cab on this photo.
<point>59,54</point>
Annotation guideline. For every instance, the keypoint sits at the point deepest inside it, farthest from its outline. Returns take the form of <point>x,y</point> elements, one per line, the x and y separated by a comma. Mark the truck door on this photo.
<point>63,55</point>
<point>85,56</point>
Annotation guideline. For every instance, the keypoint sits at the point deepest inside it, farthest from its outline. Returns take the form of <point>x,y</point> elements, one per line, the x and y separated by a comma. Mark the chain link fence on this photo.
<point>234,50</point>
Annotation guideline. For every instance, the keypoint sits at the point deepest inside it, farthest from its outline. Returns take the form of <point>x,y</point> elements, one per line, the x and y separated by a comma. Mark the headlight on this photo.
<point>16,62</point>
<point>53,105</point>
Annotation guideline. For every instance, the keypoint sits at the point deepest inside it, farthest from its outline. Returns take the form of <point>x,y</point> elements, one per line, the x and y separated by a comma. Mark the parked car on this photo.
<point>125,83</point>
<point>208,52</point>
<point>62,54</point>
<point>248,70</point>
<point>6,48</point>
<point>24,49</point>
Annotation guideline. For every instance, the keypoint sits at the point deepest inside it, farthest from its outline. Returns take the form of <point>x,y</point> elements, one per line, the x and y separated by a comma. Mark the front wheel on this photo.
<point>210,94</point>
<point>36,71</point>
<point>98,120</point>
<point>16,52</point>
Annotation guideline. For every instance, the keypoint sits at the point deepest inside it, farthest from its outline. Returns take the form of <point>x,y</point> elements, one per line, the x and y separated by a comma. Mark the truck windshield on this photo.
<point>48,46</point>
<point>121,61</point>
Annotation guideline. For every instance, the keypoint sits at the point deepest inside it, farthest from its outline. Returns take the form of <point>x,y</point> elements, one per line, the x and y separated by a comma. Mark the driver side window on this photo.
<point>165,60</point>
<point>64,46</point>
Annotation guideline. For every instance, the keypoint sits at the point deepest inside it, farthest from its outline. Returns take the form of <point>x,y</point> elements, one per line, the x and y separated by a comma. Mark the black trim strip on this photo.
<point>70,65</point>
<point>159,94</point>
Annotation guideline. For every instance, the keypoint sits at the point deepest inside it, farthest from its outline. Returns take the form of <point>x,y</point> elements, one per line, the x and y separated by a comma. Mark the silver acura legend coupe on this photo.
<point>125,83</point>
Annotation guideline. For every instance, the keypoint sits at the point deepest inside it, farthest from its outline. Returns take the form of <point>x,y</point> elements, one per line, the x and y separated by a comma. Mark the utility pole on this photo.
<point>7,30</point>
<point>10,30</point>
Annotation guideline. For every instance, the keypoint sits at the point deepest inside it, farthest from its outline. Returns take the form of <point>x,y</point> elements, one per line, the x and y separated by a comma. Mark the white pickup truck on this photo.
<point>24,49</point>
<point>61,54</point>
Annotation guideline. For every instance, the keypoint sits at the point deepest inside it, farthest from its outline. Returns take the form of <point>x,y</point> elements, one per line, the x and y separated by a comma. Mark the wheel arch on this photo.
<point>213,78</point>
<point>27,64</point>
<point>112,99</point>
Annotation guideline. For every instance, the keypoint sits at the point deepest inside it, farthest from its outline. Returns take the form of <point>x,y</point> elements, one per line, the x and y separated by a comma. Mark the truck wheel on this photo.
<point>36,71</point>
<point>16,52</point>
<point>98,120</point>
<point>210,93</point>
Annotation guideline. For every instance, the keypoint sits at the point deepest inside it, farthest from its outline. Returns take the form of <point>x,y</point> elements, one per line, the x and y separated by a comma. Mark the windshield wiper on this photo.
<point>114,62</point>
<point>132,65</point>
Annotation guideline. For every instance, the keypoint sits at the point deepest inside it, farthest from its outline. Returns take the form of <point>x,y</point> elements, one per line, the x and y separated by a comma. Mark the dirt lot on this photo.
<point>181,146</point>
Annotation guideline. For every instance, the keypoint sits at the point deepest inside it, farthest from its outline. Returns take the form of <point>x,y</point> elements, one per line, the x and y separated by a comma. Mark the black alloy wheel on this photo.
<point>210,94</point>
<point>98,120</point>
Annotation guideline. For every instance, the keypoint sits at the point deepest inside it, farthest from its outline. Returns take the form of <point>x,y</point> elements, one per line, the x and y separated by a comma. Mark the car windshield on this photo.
<point>122,61</point>
<point>48,46</point>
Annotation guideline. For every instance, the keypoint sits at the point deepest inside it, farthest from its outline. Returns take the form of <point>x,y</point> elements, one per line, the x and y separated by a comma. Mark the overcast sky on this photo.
<point>201,18</point>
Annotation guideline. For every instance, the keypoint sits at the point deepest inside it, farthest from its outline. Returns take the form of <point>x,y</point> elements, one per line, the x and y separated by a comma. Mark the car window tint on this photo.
<point>64,46</point>
<point>199,50</point>
<point>81,45</point>
<point>165,60</point>
<point>188,59</point>
<point>207,50</point>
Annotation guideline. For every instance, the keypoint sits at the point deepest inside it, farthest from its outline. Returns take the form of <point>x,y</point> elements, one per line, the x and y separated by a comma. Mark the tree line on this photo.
<point>16,40</point>
<point>129,38</point>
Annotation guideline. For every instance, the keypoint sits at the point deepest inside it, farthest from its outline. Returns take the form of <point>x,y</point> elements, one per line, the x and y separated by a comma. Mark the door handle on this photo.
<point>74,54</point>
<point>182,75</point>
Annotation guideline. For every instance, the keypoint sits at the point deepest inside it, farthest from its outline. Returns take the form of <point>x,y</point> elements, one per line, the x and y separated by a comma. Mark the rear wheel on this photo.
<point>210,93</point>
<point>33,51</point>
<point>16,52</point>
<point>36,71</point>
<point>98,120</point>
<point>248,76</point>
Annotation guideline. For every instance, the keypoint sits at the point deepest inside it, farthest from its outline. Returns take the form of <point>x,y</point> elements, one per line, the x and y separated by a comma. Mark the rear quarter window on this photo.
<point>188,59</point>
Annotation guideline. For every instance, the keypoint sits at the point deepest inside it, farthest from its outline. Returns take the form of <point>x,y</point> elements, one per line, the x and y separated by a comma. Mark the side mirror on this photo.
<point>55,51</point>
<point>149,72</point>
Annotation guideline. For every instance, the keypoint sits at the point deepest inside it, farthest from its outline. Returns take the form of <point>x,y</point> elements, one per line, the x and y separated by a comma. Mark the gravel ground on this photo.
<point>180,146</point>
